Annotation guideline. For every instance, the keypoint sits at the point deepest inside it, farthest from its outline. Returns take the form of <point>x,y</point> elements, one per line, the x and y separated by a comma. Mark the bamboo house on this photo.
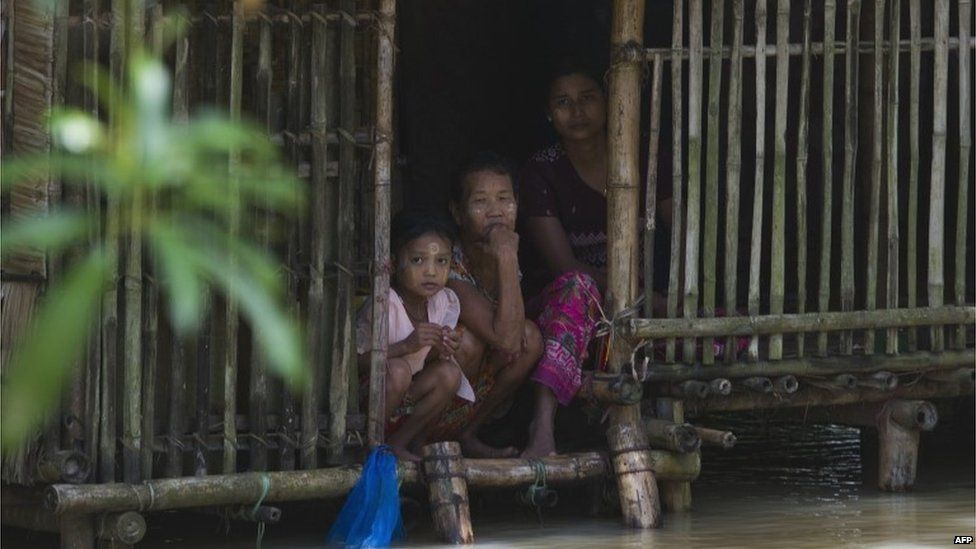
<point>821,177</point>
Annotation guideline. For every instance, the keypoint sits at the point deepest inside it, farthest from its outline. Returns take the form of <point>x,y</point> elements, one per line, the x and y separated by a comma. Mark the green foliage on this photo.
<point>182,189</point>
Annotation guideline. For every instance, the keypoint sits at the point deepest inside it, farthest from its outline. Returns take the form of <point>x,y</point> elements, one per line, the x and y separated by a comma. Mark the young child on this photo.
<point>422,375</point>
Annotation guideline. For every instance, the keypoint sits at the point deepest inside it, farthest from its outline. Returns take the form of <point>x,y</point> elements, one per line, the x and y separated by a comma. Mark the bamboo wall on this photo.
<point>821,198</point>
<point>144,403</point>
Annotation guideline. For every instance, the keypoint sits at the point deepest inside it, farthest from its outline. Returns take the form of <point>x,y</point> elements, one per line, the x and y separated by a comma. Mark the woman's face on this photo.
<point>577,107</point>
<point>489,201</point>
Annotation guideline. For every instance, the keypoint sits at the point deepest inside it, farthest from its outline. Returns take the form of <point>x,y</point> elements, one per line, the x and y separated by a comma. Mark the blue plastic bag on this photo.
<point>371,515</point>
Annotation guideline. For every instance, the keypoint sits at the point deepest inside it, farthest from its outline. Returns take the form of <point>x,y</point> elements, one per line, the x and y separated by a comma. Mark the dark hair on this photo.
<point>482,161</point>
<point>408,225</point>
<point>568,66</point>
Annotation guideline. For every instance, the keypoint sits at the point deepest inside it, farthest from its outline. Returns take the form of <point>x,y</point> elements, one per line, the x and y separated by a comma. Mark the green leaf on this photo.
<point>174,260</point>
<point>40,366</point>
<point>51,233</point>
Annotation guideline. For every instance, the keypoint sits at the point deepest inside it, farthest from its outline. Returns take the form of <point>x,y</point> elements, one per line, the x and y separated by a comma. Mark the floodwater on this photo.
<point>784,485</point>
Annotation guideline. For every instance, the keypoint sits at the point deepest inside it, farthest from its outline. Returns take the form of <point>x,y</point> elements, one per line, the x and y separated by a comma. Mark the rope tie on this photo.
<point>265,488</point>
<point>348,18</point>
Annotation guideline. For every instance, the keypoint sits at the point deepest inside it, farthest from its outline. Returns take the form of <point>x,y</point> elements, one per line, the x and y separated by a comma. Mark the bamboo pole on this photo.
<point>344,355</point>
<point>877,171</point>
<point>676,437</point>
<point>715,437</point>
<point>755,251</point>
<point>891,301</point>
<point>937,183</point>
<point>850,158</point>
<point>204,359</point>
<point>710,247</point>
<point>965,148</point>
<point>232,322</point>
<point>818,49</point>
<point>693,210</point>
<point>809,368</point>
<point>650,186</point>
<point>720,386</point>
<point>898,433</point>
<point>911,256</point>
<point>319,314</point>
<point>827,144</point>
<point>677,202</point>
<point>638,490</point>
<point>733,172</point>
<point>77,532</point>
<point>382,169</point>
<point>675,496</point>
<point>258,392</point>
<point>778,249</point>
<point>448,492</point>
<point>793,323</point>
<point>803,133</point>
<point>126,528</point>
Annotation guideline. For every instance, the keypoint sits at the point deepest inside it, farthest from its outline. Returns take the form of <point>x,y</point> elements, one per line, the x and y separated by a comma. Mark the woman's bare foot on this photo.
<point>473,448</point>
<point>542,442</point>
<point>403,454</point>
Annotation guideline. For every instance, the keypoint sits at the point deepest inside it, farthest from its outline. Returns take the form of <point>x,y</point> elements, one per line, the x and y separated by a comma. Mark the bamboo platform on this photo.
<point>838,251</point>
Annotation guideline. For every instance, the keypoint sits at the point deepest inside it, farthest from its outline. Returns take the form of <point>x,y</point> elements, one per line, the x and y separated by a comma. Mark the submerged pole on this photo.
<point>638,489</point>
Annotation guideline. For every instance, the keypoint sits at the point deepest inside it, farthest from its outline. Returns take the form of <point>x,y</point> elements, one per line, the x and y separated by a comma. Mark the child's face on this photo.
<point>423,264</point>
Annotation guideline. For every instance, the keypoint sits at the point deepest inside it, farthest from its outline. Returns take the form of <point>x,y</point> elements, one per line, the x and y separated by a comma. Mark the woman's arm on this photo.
<point>549,238</point>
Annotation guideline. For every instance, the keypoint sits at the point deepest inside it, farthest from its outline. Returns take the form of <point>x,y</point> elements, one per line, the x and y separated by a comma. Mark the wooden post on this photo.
<point>940,89</point>
<point>638,490</point>
<point>733,172</point>
<point>448,492</point>
<point>755,251</point>
<point>965,148</point>
<point>911,252</point>
<point>710,247</point>
<point>778,247</point>
<point>850,165</point>
<point>877,171</point>
<point>803,133</point>
<point>77,532</point>
<point>898,426</point>
<point>893,249</point>
<point>677,227</point>
<point>827,161</point>
<point>693,210</point>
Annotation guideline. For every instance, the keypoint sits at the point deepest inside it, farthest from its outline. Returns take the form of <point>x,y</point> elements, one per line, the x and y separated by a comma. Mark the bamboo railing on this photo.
<point>859,261</point>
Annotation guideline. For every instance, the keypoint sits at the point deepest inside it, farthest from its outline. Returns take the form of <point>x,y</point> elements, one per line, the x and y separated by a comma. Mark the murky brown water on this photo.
<point>784,485</point>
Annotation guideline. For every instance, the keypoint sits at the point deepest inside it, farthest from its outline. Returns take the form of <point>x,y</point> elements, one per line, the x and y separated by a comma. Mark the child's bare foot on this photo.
<point>403,454</point>
<point>473,448</point>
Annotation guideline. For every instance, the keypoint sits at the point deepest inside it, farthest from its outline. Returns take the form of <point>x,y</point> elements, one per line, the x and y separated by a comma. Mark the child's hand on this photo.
<point>424,334</point>
<point>450,342</point>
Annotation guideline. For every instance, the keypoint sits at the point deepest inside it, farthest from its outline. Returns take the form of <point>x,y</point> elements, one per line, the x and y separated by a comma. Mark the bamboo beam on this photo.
<point>816,367</point>
<point>344,355</point>
<point>827,165</point>
<point>803,133</point>
<point>755,248</point>
<point>850,166</point>
<point>258,381</point>
<point>777,289</point>
<point>319,307</point>
<point>710,247</point>
<point>733,172</point>
<point>940,89</point>
<point>650,186</point>
<point>877,171</point>
<point>677,200</point>
<point>893,249</point>
<point>818,49</point>
<point>812,396</point>
<point>965,149</point>
<point>693,210</point>
<point>638,490</point>
<point>911,256</point>
<point>675,437</point>
<point>715,437</point>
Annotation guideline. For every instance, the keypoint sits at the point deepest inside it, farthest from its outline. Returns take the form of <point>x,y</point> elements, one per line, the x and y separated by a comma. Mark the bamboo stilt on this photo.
<point>638,490</point>
<point>204,359</point>
<point>677,202</point>
<point>893,249</point>
<point>827,144</point>
<point>710,247</point>
<point>940,89</point>
<point>803,133</point>
<point>898,429</point>
<point>715,437</point>
<point>755,251</point>
<point>693,210</point>
<point>675,496</point>
<point>258,378</point>
<point>650,186</point>
<point>77,532</point>
<point>965,149</point>
<point>877,171</point>
<point>319,303</point>
<point>911,255</point>
<point>616,389</point>
<point>448,492</point>
<point>777,289</point>
<point>344,354</point>
<point>850,158</point>
<point>733,172</point>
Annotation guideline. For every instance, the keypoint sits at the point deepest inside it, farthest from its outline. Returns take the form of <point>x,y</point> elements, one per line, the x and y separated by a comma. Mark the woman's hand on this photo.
<point>502,242</point>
